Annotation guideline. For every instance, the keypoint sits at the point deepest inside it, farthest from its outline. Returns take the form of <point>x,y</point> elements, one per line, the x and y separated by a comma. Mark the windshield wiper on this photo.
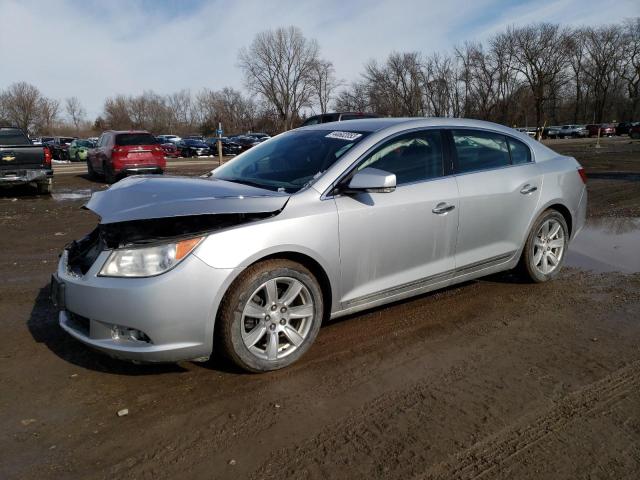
<point>246,182</point>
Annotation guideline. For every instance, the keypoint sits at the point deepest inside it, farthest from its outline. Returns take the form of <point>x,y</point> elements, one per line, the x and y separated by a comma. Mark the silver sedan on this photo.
<point>316,223</point>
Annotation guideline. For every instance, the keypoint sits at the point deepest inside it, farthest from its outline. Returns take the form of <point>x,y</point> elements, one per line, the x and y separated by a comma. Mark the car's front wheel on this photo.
<point>546,246</point>
<point>270,316</point>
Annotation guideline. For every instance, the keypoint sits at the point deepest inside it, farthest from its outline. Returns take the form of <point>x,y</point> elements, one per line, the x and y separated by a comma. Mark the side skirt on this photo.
<point>428,284</point>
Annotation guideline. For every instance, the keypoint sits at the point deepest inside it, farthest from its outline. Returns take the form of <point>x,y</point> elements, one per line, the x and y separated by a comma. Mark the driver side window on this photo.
<point>413,157</point>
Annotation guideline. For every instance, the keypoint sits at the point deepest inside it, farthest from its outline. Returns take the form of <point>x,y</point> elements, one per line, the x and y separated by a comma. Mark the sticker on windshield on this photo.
<point>344,135</point>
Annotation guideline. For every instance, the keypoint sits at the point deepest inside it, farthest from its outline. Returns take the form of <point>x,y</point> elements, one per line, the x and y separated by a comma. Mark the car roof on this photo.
<point>377,124</point>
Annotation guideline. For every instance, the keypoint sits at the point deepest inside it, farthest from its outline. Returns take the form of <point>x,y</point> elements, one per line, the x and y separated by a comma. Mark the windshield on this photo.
<point>290,161</point>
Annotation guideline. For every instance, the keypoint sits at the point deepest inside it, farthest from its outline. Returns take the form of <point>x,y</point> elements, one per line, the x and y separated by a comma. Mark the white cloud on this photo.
<point>96,49</point>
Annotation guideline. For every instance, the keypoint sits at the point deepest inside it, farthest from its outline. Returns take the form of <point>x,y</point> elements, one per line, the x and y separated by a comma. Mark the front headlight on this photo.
<point>147,261</point>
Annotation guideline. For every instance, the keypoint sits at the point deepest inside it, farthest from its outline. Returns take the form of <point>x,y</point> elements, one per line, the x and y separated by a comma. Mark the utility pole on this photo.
<point>219,132</point>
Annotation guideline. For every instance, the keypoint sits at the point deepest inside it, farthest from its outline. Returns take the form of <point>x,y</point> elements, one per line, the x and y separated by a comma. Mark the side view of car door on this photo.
<point>499,186</point>
<point>399,243</point>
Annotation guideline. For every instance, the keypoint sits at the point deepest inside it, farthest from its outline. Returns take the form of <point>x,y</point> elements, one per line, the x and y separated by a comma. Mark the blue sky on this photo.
<point>94,49</point>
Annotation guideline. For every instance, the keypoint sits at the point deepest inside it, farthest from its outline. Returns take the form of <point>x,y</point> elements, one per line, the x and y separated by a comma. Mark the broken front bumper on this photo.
<point>166,318</point>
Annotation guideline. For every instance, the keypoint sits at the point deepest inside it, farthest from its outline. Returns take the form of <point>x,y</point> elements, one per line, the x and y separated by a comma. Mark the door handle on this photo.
<point>527,189</point>
<point>443,208</point>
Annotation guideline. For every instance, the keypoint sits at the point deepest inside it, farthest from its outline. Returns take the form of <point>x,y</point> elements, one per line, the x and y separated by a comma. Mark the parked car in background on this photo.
<point>573,131</point>
<point>318,223</point>
<point>551,132</point>
<point>634,131</point>
<point>194,137</point>
<point>245,142</point>
<point>228,147</point>
<point>606,129</point>
<point>261,137</point>
<point>170,138</point>
<point>22,162</point>
<point>170,149</point>
<point>59,147</point>
<point>337,117</point>
<point>120,153</point>
<point>36,141</point>
<point>527,131</point>
<point>188,147</point>
<point>623,127</point>
<point>79,149</point>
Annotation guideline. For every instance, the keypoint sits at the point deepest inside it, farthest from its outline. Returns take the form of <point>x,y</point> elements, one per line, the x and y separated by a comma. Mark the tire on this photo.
<point>90,171</point>
<point>77,157</point>
<point>272,339</point>
<point>544,247</point>
<point>109,175</point>
<point>44,188</point>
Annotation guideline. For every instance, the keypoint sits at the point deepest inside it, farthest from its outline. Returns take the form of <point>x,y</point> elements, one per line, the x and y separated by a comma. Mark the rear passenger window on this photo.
<point>477,150</point>
<point>520,153</point>
<point>412,157</point>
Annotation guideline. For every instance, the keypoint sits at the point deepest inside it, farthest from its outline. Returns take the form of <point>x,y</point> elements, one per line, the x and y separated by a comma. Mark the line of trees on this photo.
<point>542,73</point>
<point>526,76</point>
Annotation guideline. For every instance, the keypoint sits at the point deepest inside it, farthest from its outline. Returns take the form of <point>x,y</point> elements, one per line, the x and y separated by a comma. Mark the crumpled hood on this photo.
<point>149,197</point>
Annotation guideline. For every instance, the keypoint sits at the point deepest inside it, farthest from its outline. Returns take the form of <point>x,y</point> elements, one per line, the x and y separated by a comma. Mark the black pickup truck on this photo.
<point>21,162</point>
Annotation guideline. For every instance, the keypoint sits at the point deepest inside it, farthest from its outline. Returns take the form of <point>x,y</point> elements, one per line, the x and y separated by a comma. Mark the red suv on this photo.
<point>606,130</point>
<point>120,153</point>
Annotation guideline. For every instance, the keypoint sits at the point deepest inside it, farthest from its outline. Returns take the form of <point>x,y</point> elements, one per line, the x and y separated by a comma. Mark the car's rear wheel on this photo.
<point>44,188</point>
<point>270,316</point>
<point>546,246</point>
<point>90,171</point>
<point>109,174</point>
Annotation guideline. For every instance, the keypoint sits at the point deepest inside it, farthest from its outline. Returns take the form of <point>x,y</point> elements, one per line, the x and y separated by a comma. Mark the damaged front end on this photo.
<point>178,209</point>
<point>81,254</point>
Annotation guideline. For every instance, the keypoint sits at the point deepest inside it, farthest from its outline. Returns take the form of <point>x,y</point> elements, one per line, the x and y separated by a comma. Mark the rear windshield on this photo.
<point>13,136</point>
<point>128,139</point>
<point>356,116</point>
<point>84,143</point>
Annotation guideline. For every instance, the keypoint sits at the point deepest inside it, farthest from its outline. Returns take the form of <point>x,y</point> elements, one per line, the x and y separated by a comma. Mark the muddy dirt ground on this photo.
<point>493,379</point>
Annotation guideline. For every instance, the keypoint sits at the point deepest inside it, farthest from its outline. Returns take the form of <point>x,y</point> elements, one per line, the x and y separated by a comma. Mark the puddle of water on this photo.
<point>73,195</point>
<point>607,245</point>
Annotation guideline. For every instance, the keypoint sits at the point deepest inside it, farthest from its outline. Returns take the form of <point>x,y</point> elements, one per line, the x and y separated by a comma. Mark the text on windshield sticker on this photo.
<point>344,135</point>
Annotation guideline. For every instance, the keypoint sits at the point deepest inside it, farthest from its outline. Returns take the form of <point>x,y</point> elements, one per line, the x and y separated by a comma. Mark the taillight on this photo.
<point>583,175</point>
<point>47,156</point>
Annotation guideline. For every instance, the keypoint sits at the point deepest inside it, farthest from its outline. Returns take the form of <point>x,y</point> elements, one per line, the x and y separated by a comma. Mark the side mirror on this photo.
<point>372,180</point>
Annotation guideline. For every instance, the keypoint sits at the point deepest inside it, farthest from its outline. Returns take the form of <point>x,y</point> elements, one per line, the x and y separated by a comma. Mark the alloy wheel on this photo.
<point>277,318</point>
<point>548,246</point>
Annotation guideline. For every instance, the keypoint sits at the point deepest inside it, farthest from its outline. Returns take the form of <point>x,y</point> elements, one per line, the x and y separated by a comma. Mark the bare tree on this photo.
<point>629,68</point>
<point>116,112</point>
<point>21,105</point>
<point>75,111</point>
<point>279,66</point>
<point>395,87</point>
<point>49,109</point>
<point>181,110</point>
<point>354,98</point>
<point>604,50</point>
<point>540,54</point>
<point>324,84</point>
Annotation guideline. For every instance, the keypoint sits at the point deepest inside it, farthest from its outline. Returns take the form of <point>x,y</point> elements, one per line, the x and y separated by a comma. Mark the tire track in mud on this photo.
<point>372,430</point>
<point>387,438</point>
<point>498,451</point>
